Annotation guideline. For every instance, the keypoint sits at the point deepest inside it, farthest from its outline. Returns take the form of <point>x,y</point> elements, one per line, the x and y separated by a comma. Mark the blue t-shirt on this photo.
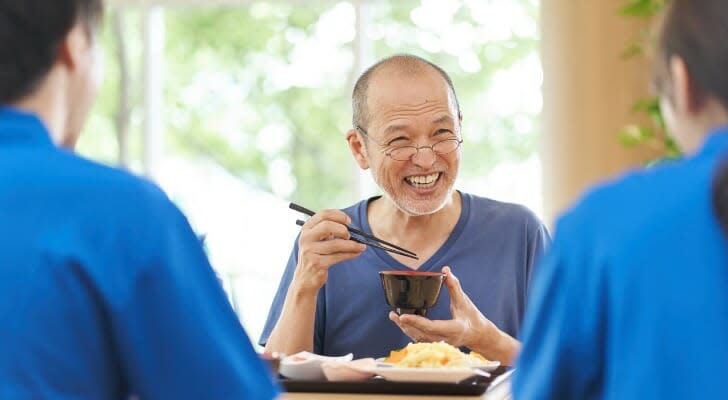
<point>104,288</point>
<point>631,301</point>
<point>491,250</point>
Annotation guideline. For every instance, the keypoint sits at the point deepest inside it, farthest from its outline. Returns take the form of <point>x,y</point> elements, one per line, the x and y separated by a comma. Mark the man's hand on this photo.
<point>324,242</point>
<point>468,326</point>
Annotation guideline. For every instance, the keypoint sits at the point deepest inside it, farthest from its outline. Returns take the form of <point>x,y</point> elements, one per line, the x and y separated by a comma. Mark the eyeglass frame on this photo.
<point>417,148</point>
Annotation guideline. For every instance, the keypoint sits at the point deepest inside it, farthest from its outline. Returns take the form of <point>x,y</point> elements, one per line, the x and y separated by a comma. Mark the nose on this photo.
<point>425,157</point>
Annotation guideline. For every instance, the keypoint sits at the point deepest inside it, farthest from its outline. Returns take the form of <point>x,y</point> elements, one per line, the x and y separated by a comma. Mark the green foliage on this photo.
<point>654,134</point>
<point>263,90</point>
<point>642,8</point>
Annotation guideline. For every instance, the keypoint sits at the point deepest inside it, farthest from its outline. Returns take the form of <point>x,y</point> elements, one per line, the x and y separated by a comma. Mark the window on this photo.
<point>253,103</point>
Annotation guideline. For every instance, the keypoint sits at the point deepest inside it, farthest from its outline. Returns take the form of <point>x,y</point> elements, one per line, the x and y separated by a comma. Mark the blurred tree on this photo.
<point>264,90</point>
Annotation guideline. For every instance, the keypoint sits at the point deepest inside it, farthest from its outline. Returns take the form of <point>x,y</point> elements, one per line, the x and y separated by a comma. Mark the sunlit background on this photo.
<point>237,110</point>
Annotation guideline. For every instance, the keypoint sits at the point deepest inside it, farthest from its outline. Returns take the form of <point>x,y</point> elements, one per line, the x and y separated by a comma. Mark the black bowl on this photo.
<point>411,292</point>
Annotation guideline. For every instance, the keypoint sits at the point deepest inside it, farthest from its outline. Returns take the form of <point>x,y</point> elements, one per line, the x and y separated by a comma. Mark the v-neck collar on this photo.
<point>432,264</point>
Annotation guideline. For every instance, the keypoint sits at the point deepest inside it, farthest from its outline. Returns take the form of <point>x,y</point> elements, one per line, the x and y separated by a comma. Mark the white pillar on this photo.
<point>153,130</point>
<point>363,184</point>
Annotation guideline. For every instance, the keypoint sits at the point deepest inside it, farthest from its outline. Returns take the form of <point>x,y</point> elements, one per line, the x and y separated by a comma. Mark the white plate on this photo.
<point>488,366</point>
<point>438,375</point>
<point>357,370</point>
<point>307,366</point>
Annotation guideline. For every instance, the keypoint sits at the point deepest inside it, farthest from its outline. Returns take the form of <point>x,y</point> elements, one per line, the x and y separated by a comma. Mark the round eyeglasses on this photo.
<point>406,153</point>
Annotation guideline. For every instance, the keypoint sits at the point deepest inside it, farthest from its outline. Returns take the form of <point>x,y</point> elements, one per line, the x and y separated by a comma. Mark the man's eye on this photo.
<point>397,140</point>
<point>443,132</point>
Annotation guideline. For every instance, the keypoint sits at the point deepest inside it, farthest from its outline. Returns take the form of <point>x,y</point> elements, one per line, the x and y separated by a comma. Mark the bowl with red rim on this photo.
<point>411,292</point>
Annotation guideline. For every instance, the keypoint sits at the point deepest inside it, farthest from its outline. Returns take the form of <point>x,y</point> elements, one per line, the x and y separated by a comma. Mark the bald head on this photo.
<point>404,64</point>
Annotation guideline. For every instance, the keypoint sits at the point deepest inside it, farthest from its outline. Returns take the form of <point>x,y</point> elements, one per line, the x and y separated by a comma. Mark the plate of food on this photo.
<point>307,366</point>
<point>433,362</point>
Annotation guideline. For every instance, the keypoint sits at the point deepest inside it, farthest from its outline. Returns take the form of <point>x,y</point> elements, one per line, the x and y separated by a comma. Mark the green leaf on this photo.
<point>633,50</point>
<point>642,8</point>
<point>634,135</point>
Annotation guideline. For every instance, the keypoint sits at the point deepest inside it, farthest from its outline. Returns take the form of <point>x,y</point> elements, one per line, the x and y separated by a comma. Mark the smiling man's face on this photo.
<point>412,110</point>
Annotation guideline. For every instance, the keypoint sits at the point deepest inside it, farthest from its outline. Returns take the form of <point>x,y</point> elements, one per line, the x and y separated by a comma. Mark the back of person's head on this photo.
<point>696,31</point>
<point>31,32</point>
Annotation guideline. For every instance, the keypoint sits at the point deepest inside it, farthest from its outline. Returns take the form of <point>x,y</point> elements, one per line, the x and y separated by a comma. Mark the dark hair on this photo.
<point>31,32</point>
<point>720,194</point>
<point>696,31</point>
<point>407,63</point>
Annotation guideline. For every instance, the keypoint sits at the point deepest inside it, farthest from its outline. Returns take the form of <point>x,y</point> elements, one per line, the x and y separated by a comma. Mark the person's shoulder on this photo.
<point>627,205</point>
<point>490,208</point>
<point>357,211</point>
<point>354,208</point>
<point>103,185</point>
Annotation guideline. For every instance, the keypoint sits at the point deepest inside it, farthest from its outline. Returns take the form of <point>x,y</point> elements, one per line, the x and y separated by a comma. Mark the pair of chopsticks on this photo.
<point>364,238</point>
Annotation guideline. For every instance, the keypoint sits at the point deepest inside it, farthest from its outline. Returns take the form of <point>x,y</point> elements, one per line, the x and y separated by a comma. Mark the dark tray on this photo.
<point>470,387</point>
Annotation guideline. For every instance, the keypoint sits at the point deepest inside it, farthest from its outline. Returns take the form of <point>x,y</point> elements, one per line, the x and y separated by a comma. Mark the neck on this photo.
<point>713,116</point>
<point>396,223</point>
<point>423,234</point>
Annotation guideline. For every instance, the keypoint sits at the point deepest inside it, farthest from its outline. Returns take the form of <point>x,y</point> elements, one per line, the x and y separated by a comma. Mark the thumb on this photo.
<point>457,297</point>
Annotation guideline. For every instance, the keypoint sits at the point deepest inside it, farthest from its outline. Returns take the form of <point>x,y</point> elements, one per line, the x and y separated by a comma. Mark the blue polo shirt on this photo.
<point>104,289</point>
<point>492,250</point>
<point>631,301</point>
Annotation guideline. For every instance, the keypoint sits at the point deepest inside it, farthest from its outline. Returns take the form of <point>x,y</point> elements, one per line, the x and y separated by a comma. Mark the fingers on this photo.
<point>331,252</point>
<point>413,333</point>
<point>424,330</point>
<point>335,246</point>
<point>336,216</point>
<point>325,230</point>
<point>457,296</point>
<point>324,242</point>
<point>324,239</point>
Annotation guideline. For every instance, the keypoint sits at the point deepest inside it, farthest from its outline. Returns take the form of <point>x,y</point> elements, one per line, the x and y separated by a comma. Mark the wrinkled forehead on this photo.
<point>426,92</point>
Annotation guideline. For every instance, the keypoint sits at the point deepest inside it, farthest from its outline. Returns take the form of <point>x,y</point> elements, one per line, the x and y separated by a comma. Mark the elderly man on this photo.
<point>407,131</point>
<point>105,291</point>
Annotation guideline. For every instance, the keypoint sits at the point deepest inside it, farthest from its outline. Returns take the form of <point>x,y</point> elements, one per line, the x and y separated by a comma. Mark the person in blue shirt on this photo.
<point>631,302</point>
<point>105,291</point>
<point>407,130</point>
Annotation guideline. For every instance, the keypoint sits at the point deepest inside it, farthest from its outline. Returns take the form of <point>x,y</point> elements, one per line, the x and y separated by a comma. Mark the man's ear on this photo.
<point>74,47</point>
<point>358,148</point>
<point>686,96</point>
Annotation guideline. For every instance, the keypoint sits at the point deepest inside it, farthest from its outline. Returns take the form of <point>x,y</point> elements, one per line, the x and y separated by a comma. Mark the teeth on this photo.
<point>422,180</point>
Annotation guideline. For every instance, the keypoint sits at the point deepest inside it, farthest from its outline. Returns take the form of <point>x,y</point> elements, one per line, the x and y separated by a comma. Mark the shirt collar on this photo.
<point>716,142</point>
<point>18,126</point>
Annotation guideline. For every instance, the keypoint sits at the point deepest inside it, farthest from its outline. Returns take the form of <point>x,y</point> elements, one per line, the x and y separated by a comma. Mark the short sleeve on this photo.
<point>538,242</point>
<point>279,299</point>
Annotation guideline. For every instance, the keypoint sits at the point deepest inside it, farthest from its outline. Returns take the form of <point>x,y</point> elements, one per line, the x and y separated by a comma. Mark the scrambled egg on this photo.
<point>434,355</point>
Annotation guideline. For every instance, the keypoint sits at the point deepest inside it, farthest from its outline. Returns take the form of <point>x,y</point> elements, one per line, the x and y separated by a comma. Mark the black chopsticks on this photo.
<point>366,238</point>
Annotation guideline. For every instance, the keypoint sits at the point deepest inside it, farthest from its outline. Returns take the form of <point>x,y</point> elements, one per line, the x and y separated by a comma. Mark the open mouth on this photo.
<point>423,181</point>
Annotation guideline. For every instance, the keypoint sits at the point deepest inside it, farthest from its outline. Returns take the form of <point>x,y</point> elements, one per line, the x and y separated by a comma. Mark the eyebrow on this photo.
<point>394,128</point>
<point>444,118</point>
<point>401,127</point>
